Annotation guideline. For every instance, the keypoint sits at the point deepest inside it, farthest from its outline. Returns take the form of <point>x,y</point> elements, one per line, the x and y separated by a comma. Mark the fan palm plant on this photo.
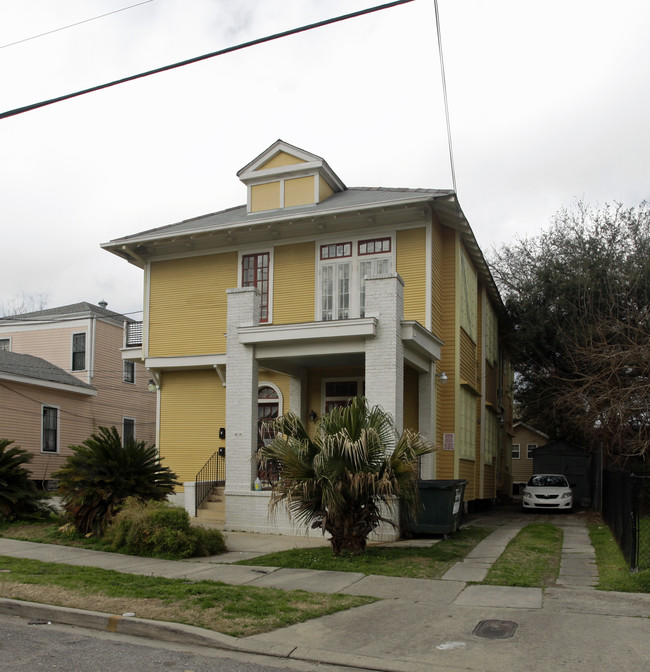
<point>340,479</point>
<point>19,497</point>
<point>101,473</point>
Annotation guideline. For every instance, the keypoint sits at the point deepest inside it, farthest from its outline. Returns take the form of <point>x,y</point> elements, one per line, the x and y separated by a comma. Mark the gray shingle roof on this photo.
<point>38,369</point>
<point>81,308</point>
<point>353,197</point>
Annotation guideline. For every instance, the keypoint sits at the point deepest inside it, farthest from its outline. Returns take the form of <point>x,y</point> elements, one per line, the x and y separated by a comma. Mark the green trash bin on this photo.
<point>442,507</point>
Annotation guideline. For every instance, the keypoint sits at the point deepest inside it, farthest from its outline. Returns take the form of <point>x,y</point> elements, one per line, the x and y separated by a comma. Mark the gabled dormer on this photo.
<point>284,176</point>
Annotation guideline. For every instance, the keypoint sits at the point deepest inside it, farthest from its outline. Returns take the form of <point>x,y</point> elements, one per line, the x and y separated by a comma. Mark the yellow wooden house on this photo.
<point>309,294</point>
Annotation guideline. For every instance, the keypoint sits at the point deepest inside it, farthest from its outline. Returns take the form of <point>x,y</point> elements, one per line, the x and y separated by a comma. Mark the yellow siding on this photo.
<point>324,189</point>
<point>437,278</point>
<point>265,196</point>
<point>445,298</point>
<point>491,384</point>
<point>293,283</point>
<point>192,409</point>
<point>187,314</point>
<point>411,265</point>
<point>299,191</point>
<point>489,482</point>
<point>468,368</point>
<point>281,159</point>
<point>466,470</point>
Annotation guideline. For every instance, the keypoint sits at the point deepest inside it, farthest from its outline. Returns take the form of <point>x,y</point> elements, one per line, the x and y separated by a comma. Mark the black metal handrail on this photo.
<point>212,473</point>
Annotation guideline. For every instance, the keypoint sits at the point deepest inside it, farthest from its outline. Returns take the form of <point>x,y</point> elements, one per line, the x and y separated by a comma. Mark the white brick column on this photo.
<point>241,390</point>
<point>385,352</point>
<point>297,395</point>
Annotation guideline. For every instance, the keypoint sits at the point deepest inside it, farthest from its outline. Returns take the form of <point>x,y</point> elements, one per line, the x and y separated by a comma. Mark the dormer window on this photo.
<point>285,176</point>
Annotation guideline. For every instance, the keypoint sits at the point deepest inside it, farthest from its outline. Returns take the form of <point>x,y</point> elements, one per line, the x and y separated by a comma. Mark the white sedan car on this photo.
<point>547,491</point>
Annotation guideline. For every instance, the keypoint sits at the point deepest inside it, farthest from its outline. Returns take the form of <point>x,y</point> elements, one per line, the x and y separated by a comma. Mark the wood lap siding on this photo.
<point>467,471</point>
<point>468,361</point>
<point>192,409</point>
<point>411,266</point>
<point>489,482</point>
<point>445,299</point>
<point>294,287</point>
<point>491,384</point>
<point>188,303</point>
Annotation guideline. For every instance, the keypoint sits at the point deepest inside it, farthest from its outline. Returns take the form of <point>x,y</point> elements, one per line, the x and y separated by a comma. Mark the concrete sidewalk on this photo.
<point>418,624</point>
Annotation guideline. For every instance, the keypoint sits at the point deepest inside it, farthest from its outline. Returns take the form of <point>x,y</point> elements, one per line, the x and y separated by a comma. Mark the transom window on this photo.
<point>340,392</point>
<point>336,250</point>
<point>344,269</point>
<point>255,273</point>
<point>374,246</point>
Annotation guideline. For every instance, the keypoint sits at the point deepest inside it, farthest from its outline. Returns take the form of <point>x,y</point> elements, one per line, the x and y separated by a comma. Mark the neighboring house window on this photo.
<point>50,430</point>
<point>129,372</point>
<point>340,393</point>
<point>344,268</point>
<point>255,273</point>
<point>516,451</point>
<point>128,430</point>
<point>5,344</point>
<point>78,352</point>
<point>530,449</point>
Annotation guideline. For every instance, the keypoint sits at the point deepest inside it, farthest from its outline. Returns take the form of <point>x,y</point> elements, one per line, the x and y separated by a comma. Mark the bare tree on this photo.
<point>21,304</point>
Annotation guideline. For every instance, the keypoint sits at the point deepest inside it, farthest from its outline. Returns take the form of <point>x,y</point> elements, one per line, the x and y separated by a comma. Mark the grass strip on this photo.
<point>613,570</point>
<point>239,611</point>
<point>531,559</point>
<point>404,561</point>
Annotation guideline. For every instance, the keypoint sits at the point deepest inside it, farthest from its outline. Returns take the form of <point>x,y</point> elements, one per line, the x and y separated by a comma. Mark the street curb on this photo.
<point>191,635</point>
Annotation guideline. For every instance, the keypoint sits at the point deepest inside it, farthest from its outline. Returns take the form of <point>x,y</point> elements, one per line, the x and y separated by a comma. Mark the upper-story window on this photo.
<point>255,273</point>
<point>129,372</point>
<point>5,344</point>
<point>78,352</point>
<point>344,268</point>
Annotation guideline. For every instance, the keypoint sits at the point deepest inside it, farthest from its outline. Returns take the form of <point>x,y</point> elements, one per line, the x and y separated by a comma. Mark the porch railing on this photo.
<point>133,334</point>
<point>212,473</point>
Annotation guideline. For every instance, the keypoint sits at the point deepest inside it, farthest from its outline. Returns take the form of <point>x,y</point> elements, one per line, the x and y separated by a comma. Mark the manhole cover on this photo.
<point>495,629</point>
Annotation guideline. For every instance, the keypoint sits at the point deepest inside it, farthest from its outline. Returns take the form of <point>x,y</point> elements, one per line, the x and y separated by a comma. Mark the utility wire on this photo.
<point>444,94</point>
<point>72,25</point>
<point>196,59</point>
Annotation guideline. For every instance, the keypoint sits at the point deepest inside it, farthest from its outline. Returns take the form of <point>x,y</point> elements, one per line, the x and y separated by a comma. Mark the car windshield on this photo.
<point>548,481</point>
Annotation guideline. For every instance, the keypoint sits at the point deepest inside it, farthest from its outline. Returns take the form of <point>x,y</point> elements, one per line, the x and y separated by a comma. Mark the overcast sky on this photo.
<point>548,102</point>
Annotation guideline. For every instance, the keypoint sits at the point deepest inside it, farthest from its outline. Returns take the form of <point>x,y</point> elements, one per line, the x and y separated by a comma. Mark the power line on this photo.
<point>72,25</point>
<point>196,59</point>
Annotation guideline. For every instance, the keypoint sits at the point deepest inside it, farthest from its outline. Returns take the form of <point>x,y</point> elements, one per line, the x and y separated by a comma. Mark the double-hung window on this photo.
<point>128,430</point>
<point>344,269</point>
<point>78,352</point>
<point>50,430</point>
<point>255,273</point>
<point>129,371</point>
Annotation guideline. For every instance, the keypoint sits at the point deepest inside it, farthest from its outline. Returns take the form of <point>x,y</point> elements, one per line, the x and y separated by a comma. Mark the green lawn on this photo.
<point>413,562</point>
<point>613,570</point>
<point>233,610</point>
<point>531,559</point>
